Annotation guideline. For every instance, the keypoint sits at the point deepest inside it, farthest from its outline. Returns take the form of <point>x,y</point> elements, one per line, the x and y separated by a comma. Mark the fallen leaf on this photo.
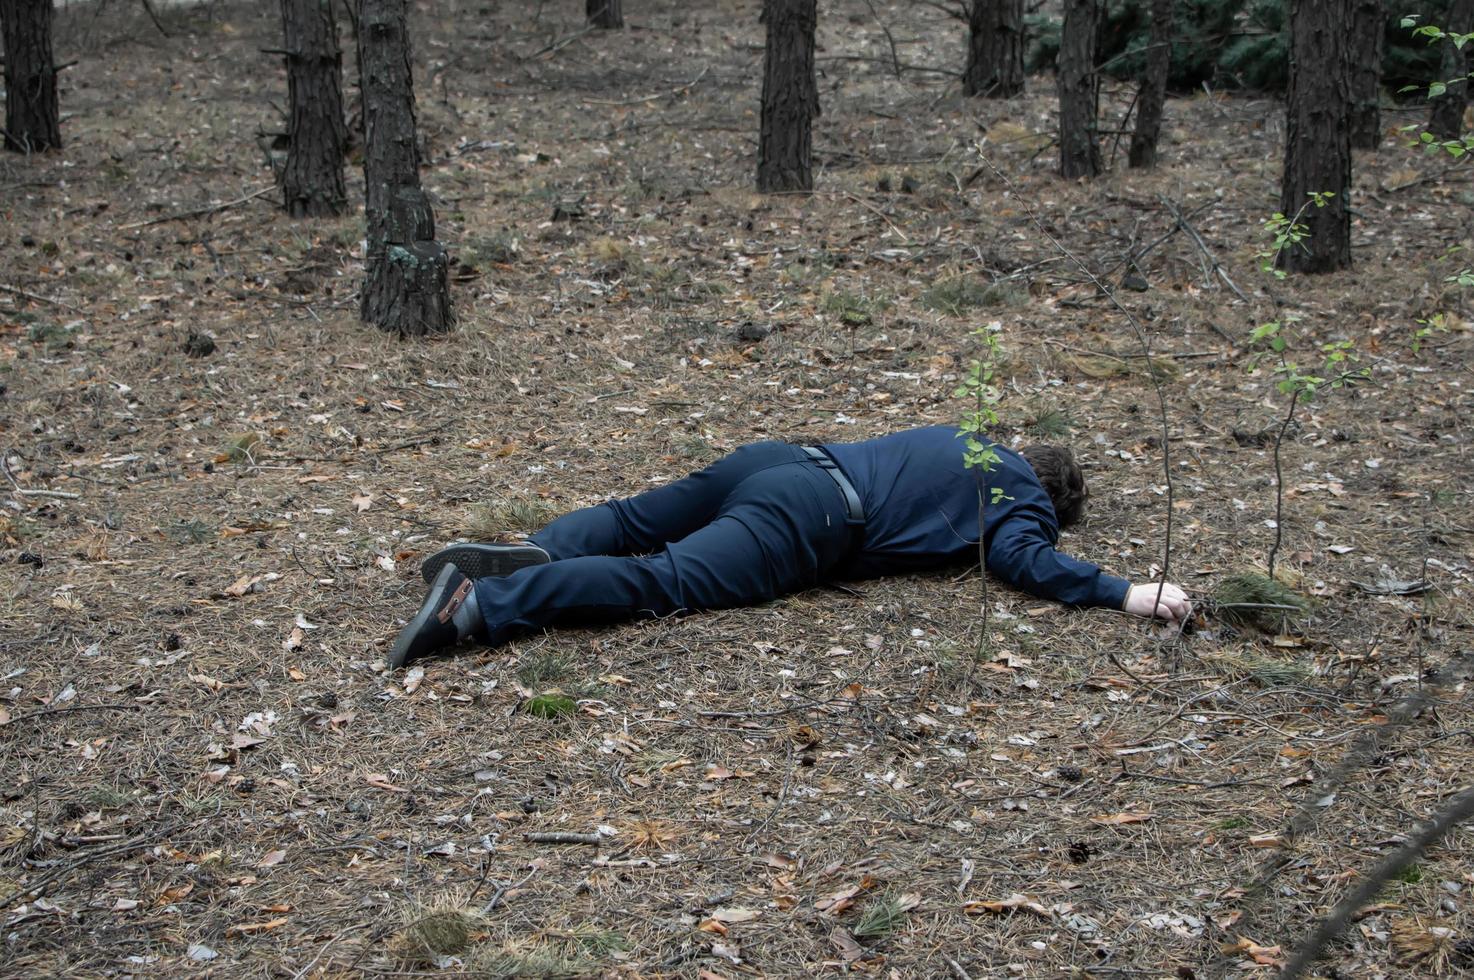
<point>362,502</point>
<point>849,950</point>
<point>294,639</point>
<point>1117,819</point>
<point>1014,903</point>
<point>208,683</point>
<point>1263,955</point>
<point>384,562</point>
<point>272,859</point>
<point>249,928</point>
<point>413,679</point>
<point>836,902</point>
<point>381,781</point>
<point>296,674</point>
<point>242,585</point>
<point>125,905</point>
<point>731,916</point>
<point>240,740</point>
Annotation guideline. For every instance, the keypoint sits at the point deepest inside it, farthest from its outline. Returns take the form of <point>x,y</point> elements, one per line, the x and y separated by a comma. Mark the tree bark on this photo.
<point>405,289</point>
<point>312,181</point>
<point>1368,26</point>
<point>1079,90</point>
<point>790,97</point>
<point>995,49</point>
<point>32,113</point>
<point>1318,141</point>
<point>1446,121</point>
<point>606,14</point>
<point>1152,95</point>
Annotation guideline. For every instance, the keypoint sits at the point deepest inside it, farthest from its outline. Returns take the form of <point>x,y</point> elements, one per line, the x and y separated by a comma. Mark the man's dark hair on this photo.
<point>1056,468</point>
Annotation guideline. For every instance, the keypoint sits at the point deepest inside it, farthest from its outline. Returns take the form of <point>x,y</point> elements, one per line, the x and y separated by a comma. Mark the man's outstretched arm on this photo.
<point>1022,555</point>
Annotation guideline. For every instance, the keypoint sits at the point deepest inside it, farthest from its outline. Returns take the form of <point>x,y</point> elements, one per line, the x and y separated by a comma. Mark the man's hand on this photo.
<point>1143,600</point>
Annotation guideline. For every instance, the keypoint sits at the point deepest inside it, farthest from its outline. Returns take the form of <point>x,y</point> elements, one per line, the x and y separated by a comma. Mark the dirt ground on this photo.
<point>219,485</point>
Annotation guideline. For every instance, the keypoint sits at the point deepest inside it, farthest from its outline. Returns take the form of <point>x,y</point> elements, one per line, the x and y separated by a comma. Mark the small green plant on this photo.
<point>1248,599</point>
<point>108,797</point>
<point>544,667</point>
<point>1338,370</point>
<point>442,928</point>
<point>597,942</point>
<point>1050,423</point>
<point>1232,823</point>
<point>955,295</point>
<point>1287,233</point>
<point>490,520</point>
<point>192,531</point>
<point>243,448</point>
<point>881,917</point>
<point>853,309</point>
<point>1410,875</point>
<point>550,707</point>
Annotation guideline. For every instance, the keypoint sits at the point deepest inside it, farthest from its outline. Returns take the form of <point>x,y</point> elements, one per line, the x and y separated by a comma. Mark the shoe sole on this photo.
<point>484,560</point>
<point>399,653</point>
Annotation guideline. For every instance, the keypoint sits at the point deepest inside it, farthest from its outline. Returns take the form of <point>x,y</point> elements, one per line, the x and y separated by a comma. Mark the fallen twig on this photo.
<point>561,837</point>
<point>649,98</point>
<point>1459,810</point>
<point>67,710</point>
<point>39,299</point>
<point>199,212</point>
<point>1192,232</point>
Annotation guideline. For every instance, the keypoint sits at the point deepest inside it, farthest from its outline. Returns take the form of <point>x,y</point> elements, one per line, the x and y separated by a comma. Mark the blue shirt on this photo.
<point>921,511</point>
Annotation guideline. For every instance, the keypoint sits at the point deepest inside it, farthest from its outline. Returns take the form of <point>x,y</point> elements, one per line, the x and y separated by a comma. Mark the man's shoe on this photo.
<point>484,560</point>
<point>433,627</point>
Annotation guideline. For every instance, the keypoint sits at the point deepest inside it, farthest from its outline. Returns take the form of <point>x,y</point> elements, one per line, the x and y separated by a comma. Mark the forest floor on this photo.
<point>219,486</point>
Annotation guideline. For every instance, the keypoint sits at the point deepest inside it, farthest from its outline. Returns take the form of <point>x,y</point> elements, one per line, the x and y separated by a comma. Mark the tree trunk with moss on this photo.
<point>1151,97</point>
<point>1079,90</point>
<point>1367,31</point>
<point>405,289</point>
<point>995,49</point>
<point>1317,138</point>
<point>790,97</point>
<point>312,181</point>
<point>1446,121</point>
<point>32,112</point>
<point>606,14</point>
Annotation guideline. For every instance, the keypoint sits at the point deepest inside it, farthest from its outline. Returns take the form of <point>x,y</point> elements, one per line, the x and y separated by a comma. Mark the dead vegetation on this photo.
<point>207,546</point>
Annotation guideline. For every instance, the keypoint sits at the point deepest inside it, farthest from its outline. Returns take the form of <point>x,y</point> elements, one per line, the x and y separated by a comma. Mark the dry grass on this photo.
<point>200,749</point>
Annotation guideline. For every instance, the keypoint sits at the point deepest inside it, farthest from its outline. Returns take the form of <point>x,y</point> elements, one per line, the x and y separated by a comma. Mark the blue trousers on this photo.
<point>759,523</point>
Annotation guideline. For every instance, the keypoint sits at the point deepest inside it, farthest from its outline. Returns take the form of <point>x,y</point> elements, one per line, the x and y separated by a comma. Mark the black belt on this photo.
<point>851,498</point>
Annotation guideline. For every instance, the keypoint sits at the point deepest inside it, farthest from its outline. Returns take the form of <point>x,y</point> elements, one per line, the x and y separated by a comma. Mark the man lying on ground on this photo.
<point>770,519</point>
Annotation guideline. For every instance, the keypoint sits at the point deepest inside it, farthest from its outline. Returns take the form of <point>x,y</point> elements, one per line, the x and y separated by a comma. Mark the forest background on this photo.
<point>218,484</point>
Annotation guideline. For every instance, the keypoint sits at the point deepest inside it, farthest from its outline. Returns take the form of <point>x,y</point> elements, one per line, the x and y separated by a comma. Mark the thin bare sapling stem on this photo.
<point>981,457</point>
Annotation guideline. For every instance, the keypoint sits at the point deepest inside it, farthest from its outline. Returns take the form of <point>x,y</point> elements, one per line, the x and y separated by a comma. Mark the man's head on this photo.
<point>1056,468</point>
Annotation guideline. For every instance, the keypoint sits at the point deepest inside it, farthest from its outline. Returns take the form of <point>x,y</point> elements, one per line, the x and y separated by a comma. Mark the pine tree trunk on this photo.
<point>405,289</point>
<point>995,49</point>
<point>1446,121</point>
<point>1152,95</point>
<point>32,114</point>
<point>790,97</point>
<point>1079,90</point>
<point>605,14</point>
<point>1318,142</point>
<point>1368,26</point>
<point>312,181</point>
